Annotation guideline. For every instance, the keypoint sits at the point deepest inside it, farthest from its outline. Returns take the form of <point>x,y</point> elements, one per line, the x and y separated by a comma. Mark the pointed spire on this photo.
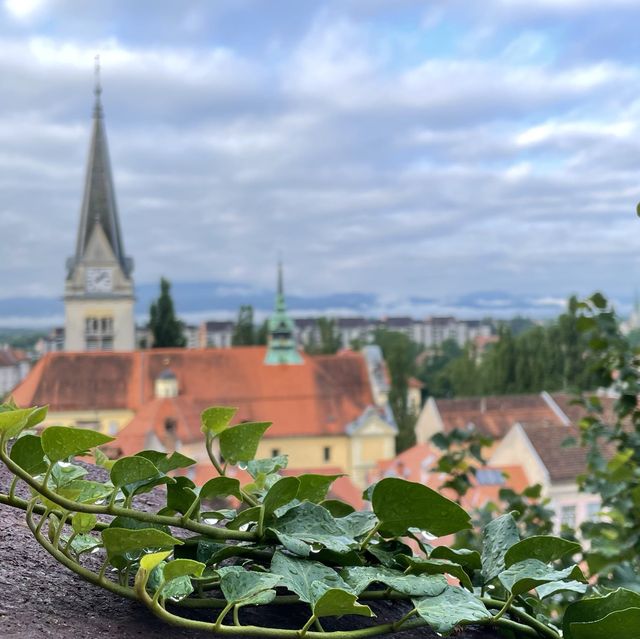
<point>99,200</point>
<point>281,347</point>
<point>97,90</point>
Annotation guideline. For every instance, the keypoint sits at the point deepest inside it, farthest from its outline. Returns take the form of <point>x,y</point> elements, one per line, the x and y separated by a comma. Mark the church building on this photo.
<point>99,293</point>
<point>330,413</point>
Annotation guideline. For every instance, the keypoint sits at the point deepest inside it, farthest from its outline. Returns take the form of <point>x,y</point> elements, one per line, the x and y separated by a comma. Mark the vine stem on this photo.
<point>241,632</point>
<point>303,631</point>
<point>23,504</point>
<point>12,487</point>
<point>523,616</point>
<point>81,571</point>
<point>222,470</point>
<point>68,504</point>
<point>221,616</point>
<point>408,616</point>
<point>369,537</point>
<point>504,608</point>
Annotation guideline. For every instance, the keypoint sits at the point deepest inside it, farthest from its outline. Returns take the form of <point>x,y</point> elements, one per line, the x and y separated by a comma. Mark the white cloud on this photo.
<point>24,10</point>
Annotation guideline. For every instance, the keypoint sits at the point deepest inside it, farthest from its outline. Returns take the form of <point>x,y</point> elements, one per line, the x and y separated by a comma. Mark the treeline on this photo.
<point>526,358</point>
<point>548,357</point>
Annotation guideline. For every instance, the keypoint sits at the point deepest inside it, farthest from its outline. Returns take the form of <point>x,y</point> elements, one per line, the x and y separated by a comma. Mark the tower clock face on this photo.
<point>99,280</point>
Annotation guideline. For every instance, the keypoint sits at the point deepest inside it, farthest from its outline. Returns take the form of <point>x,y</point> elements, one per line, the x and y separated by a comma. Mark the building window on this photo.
<point>326,453</point>
<point>98,333</point>
<point>568,515</point>
<point>88,424</point>
<point>275,452</point>
<point>593,511</point>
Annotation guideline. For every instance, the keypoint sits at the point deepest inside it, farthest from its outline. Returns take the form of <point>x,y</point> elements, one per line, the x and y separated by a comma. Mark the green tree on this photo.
<point>165,327</point>
<point>400,355</point>
<point>329,339</point>
<point>262,333</point>
<point>244,333</point>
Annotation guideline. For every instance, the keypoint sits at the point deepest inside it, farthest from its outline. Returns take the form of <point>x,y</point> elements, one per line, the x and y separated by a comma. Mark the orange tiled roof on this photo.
<point>319,397</point>
<point>416,464</point>
<point>494,415</point>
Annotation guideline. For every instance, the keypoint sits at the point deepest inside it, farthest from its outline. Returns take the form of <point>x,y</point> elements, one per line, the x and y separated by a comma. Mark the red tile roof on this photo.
<point>319,397</point>
<point>562,463</point>
<point>494,415</point>
<point>417,463</point>
<point>11,356</point>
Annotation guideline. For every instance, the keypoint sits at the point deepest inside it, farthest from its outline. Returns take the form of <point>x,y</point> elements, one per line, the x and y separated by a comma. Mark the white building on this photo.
<point>14,366</point>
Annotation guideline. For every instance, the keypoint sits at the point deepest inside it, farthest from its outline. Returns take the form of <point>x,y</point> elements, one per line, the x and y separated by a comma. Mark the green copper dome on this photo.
<point>281,345</point>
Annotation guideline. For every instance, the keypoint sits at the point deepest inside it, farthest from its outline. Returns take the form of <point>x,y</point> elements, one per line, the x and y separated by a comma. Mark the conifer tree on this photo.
<point>244,333</point>
<point>166,328</point>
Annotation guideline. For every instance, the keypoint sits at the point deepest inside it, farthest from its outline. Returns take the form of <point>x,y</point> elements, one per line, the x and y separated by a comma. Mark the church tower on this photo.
<point>281,344</point>
<point>99,292</point>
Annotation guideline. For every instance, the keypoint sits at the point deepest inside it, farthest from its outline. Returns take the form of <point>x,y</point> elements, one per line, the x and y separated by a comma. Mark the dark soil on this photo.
<point>40,598</point>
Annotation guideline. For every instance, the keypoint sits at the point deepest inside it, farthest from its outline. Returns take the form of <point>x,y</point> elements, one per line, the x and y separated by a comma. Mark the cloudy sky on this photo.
<point>396,147</point>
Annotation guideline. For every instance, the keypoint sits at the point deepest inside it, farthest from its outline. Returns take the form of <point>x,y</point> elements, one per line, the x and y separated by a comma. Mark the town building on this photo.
<point>327,411</point>
<point>529,431</point>
<point>216,334</point>
<point>419,464</point>
<point>99,291</point>
<point>14,366</point>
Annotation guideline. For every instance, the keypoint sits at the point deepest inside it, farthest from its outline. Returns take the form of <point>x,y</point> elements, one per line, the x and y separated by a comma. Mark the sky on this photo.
<point>399,148</point>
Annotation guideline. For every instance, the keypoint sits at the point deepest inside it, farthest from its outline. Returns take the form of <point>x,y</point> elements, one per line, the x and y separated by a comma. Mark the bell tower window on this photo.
<point>98,333</point>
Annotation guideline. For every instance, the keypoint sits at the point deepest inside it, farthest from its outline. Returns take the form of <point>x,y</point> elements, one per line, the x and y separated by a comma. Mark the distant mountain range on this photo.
<point>196,301</point>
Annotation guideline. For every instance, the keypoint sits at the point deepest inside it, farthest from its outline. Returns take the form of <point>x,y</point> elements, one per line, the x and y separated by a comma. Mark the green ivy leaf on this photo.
<point>118,541</point>
<point>357,524</point>
<point>526,575</point>
<point>468,559</point>
<point>389,552</point>
<point>544,548</point>
<point>360,577</point>
<point>338,508</point>
<point>153,560</point>
<point>497,537</point>
<point>221,487</point>
<point>181,495</point>
<point>83,543</point>
<point>83,522</point>
<point>595,608</point>
<point>164,462</point>
<point>182,568</point>
<point>63,474</point>
<point>13,421</point>
<point>240,443</point>
<point>177,588</point>
<point>401,504</point>
<point>309,524</point>
<point>553,587</point>
<point>28,454</point>
<point>620,623</point>
<point>298,575</point>
<point>257,467</point>
<point>240,586</point>
<point>281,493</point>
<point>438,567</point>
<point>61,442</point>
<point>129,470</point>
<point>247,516</point>
<point>85,492</point>
<point>215,419</point>
<point>451,607</point>
<point>335,602</point>
<point>314,488</point>
<point>102,460</point>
